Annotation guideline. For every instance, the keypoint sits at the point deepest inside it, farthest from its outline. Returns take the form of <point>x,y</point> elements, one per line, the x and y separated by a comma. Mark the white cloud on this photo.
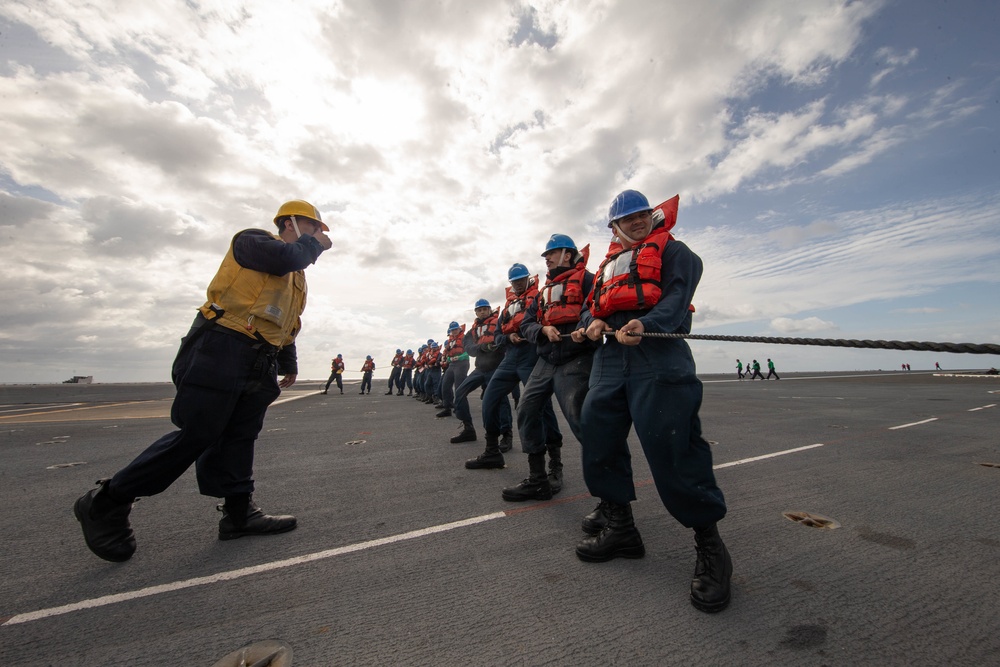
<point>788,325</point>
<point>442,145</point>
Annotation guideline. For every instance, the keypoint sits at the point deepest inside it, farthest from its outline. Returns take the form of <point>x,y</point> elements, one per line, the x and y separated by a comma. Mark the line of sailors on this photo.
<point>577,337</point>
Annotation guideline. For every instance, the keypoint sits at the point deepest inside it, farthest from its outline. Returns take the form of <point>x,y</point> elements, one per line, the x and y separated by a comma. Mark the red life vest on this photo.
<point>337,365</point>
<point>368,366</point>
<point>408,361</point>
<point>483,330</point>
<point>455,345</point>
<point>397,359</point>
<point>561,300</point>
<point>433,357</point>
<point>630,279</point>
<point>514,309</point>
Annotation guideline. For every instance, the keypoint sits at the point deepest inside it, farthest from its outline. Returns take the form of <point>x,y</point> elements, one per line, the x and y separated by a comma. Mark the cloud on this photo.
<point>444,144</point>
<point>788,325</point>
<point>911,311</point>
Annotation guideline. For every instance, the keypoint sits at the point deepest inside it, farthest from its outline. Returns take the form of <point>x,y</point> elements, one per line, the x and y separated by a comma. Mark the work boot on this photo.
<point>597,520</point>
<point>399,393</point>
<point>444,413</point>
<point>535,487</point>
<point>468,434</point>
<point>410,393</point>
<point>491,458</point>
<point>619,539</point>
<point>241,516</point>
<point>555,467</point>
<point>323,392</point>
<point>507,441</point>
<point>712,571</point>
<point>106,528</point>
<point>388,393</point>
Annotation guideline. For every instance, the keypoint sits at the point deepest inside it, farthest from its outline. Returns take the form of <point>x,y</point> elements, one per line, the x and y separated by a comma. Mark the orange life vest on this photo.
<point>408,361</point>
<point>454,347</point>
<point>483,330</point>
<point>397,359</point>
<point>561,300</point>
<point>368,366</point>
<point>514,310</point>
<point>630,279</point>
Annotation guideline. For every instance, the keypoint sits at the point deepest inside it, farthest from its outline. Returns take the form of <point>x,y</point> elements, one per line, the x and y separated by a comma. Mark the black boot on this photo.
<point>444,413</point>
<point>241,517</point>
<point>555,467</point>
<point>491,458</point>
<point>535,487</point>
<point>106,528</point>
<point>468,434</point>
<point>712,571</point>
<point>597,520</point>
<point>399,393</point>
<point>507,441</point>
<point>619,539</point>
<point>389,393</point>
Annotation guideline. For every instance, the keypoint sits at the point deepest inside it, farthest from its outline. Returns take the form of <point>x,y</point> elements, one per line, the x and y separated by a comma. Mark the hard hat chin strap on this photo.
<point>295,226</point>
<point>623,235</point>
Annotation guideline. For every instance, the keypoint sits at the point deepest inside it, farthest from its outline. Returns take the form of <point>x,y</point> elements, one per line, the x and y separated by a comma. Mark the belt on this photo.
<point>252,342</point>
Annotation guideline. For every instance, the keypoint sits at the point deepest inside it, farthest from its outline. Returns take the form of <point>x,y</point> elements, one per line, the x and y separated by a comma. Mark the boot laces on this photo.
<point>703,562</point>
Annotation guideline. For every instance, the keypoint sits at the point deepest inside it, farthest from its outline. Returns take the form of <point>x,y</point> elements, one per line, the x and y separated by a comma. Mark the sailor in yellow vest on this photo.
<point>226,373</point>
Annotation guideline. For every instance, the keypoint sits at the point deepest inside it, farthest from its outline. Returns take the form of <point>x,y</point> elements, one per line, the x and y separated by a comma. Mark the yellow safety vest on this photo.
<point>257,304</point>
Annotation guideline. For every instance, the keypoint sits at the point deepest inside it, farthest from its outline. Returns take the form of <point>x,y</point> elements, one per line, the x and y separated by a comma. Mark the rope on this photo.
<point>968,348</point>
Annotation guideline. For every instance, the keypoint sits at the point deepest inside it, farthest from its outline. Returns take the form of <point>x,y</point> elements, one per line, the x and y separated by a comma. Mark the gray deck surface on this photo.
<point>912,576</point>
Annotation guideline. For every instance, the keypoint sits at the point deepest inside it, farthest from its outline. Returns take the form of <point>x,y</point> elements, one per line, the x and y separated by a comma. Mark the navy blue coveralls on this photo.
<point>654,387</point>
<point>518,362</point>
<point>562,368</point>
<point>225,381</point>
<point>486,364</point>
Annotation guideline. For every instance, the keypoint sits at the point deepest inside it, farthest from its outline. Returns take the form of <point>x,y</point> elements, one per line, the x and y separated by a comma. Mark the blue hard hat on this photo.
<point>369,356</point>
<point>627,203</point>
<point>399,351</point>
<point>517,271</point>
<point>409,351</point>
<point>559,242</point>
<point>340,356</point>
<point>434,343</point>
<point>430,340</point>
<point>453,326</point>
<point>482,303</point>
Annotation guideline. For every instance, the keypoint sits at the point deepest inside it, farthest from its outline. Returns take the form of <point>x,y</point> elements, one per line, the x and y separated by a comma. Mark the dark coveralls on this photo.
<point>518,362</point>
<point>562,368</point>
<point>397,363</point>
<point>335,377</point>
<point>225,381</point>
<point>432,375</point>
<point>455,375</point>
<point>406,375</point>
<point>486,363</point>
<point>654,387</point>
<point>366,377</point>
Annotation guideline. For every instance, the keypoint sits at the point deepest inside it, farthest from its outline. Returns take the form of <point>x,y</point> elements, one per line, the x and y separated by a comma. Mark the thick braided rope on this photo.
<point>966,348</point>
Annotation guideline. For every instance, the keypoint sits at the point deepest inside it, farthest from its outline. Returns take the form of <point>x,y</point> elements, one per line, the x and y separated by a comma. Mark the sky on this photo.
<point>837,165</point>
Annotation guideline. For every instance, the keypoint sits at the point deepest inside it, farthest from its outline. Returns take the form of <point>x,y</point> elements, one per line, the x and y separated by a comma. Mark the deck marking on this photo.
<point>982,407</point>
<point>925,421</point>
<point>106,600</point>
<point>245,571</point>
<point>766,456</point>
